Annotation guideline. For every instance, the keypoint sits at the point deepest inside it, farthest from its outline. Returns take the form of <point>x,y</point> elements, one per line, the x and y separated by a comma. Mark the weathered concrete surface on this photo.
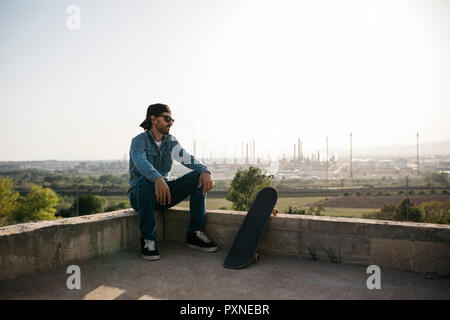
<point>32,247</point>
<point>406,246</point>
<point>184,273</point>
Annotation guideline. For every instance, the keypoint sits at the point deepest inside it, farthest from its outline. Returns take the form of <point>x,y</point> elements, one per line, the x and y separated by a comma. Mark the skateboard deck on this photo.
<point>250,233</point>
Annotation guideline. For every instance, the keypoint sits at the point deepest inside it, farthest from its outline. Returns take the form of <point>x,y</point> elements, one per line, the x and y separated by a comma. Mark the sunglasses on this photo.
<point>168,118</point>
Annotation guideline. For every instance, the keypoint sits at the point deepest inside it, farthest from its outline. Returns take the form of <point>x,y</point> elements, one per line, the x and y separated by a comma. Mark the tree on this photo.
<point>316,211</point>
<point>245,186</point>
<point>408,210</point>
<point>435,212</point>
<point>88,204</point>
<point>7,197</point>
<point>39,204</point>
<point>387,212</point>
<point>435,177</point>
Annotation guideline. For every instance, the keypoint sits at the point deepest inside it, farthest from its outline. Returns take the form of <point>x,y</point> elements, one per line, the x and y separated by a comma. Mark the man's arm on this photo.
<point>137,153</point>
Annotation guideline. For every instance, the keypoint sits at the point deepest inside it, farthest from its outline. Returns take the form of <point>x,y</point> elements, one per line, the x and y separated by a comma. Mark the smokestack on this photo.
<point>254,158</point>
<point>417,153</point>
<point>298,150</point>
<point>294,152</point>
<point>327,161</point>
<point>301,149</point>
<point>351,168</point>
<point>246,155</point>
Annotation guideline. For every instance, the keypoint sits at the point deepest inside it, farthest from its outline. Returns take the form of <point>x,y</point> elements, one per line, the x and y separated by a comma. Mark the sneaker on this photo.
<point>199,240</point>
<point>149,250</point>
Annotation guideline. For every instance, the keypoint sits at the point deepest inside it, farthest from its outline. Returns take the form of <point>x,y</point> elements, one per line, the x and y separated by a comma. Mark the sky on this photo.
<point>232,72</point>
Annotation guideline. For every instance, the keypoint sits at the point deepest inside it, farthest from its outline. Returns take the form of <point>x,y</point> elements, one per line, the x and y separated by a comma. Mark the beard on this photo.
<point>163,129</point>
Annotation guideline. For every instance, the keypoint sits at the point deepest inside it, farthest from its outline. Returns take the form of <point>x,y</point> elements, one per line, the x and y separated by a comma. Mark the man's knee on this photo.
<point>194,175</point>
<point>147,185</point>
<point>193,178</point>
<point>147,191</point>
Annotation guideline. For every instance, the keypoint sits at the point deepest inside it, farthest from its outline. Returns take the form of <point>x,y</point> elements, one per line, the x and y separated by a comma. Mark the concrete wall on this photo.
<point>32,247</point>
<point>36,246</point>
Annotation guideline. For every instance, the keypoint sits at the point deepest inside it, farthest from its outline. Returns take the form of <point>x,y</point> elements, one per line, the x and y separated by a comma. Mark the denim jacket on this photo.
<point>149,161</point>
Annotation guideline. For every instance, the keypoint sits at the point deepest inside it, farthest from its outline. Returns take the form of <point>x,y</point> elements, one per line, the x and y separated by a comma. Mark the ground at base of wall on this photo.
<point>184,273</point>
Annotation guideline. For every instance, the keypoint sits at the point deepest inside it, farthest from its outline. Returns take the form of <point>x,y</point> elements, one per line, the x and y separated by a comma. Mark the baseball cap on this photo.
<point>154,109</point>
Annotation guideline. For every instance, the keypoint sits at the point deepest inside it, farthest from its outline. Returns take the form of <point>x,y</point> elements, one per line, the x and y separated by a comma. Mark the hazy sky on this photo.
<point>232,71</point>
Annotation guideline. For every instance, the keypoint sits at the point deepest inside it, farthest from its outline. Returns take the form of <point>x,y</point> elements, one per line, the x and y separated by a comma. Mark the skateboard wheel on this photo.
<point>256,257</point>
<point>274,212</point>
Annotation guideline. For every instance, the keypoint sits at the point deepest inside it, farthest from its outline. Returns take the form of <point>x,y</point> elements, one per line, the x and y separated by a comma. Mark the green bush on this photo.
<point>414,213</point>
<point>294,210</point>
<point>8,198</point>
<point>435,212</point>
<point>394,213</point>
<point>89,204</point>
<point>387,212</point>
<point>245,186</point>
<point>39,204</point>
<point>118,206</point>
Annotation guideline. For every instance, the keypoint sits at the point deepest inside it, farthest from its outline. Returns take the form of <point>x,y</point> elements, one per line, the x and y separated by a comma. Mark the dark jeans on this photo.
<point>143,200</point>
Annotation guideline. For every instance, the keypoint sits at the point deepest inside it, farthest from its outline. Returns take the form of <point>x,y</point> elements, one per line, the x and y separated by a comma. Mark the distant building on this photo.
<point>366,163</point>
<point>400,163</point>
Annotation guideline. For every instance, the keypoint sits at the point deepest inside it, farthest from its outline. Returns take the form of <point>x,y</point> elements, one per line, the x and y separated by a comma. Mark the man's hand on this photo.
<point>162,191</point>
<point>205,181</point>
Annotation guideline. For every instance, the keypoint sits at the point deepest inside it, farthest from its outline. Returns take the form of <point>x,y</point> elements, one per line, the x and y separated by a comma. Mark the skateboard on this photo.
<point>243,249</point>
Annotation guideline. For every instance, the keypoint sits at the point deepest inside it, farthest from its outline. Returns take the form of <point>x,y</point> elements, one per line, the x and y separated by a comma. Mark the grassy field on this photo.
<point>298,202</point>
<point>282,205</point>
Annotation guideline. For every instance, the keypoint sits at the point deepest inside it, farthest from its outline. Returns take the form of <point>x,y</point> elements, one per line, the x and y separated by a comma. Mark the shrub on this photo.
<point>317,210</point>
<point>88,204</point>
<point>39,204</point>
<point>387,212</point>
<point>8,197</point>
<point>294,210</point>
<point>245,186</point>
<point>435,212</point>
<point>413,212</point>
<point>118,206</point>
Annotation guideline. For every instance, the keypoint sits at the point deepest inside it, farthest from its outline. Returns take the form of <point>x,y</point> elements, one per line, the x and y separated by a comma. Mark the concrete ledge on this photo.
<point>31,247</point>
<point>37,246</point>
<point>401,246</point>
